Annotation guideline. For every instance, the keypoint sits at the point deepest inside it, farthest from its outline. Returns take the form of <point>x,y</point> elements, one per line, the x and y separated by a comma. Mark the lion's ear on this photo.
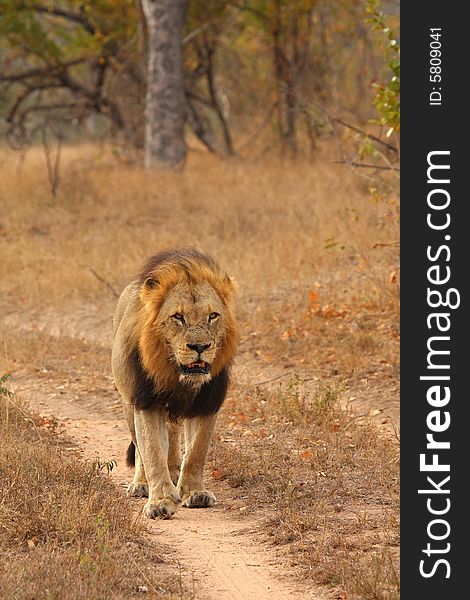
<point>151,283</point>
<point>230,287</point>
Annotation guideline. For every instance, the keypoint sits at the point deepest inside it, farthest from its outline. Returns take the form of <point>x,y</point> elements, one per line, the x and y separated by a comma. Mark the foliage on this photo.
<point>51,35</point>
<point>104,465</point>
<point>65,531</point>
<point>61,60</point>
<point>387,98</point>
<point>4,389</point>
<point>265,69</point>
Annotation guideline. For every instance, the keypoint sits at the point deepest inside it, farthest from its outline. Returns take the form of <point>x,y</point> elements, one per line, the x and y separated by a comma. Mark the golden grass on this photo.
<point>275,226</point>
<point>314,252</point>
<point>329,484</point>
<point>65,530</point>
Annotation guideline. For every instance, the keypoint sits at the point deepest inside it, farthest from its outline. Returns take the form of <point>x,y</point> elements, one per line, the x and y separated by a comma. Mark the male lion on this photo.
<point>174,340</point>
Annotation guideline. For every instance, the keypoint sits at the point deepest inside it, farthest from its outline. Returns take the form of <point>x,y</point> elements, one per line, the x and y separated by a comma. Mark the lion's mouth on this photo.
<point>198,367</point>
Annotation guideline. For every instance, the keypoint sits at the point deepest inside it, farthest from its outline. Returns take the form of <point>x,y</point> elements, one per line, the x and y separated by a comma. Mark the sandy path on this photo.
<point>220,550</point>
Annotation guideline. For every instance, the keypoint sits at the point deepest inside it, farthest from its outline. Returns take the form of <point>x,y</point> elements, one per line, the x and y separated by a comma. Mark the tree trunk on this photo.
<point>165,112</point>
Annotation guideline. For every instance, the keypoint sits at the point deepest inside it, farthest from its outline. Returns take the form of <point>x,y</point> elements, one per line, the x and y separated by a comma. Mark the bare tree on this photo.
<point>165,112</point>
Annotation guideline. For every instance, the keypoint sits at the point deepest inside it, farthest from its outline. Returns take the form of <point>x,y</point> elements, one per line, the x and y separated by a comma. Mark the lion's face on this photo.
<point>192,320</point>
<point>186,328</point>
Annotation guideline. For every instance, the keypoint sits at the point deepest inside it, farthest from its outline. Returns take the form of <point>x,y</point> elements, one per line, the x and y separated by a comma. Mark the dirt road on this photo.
<point>220,550</point>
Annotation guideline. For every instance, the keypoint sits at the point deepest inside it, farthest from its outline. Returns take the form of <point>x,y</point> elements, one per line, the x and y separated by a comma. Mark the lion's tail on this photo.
<point>130,455</point>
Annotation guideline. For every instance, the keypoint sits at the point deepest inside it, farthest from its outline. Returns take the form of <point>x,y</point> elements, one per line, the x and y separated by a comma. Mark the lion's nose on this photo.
<point>199,348</point>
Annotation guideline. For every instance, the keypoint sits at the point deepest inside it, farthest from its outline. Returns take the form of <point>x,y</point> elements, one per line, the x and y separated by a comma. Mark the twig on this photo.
<point>260,128</point>
<point>355,418</point>
<point>365,134</point>
<point>144,576</point>
<point>56,165</point>
<point>397,435</point>
<point>192,34</point>
<point>384,244</point>
<point>273,378</point>
<point>26,416</point>
<point>104,281</point>
<point>52,169</point>
<point>353,163</point>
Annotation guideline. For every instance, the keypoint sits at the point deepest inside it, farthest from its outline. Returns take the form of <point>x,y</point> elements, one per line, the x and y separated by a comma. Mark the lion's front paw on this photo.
<point>163,502</point>
<point>161,509</point>
<point>199,499</point>
<point>138,490</point>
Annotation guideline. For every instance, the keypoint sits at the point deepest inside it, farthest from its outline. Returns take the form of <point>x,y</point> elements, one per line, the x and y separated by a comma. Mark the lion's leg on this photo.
<point>152,442</point>
<point>129,415</point>
<point>174,451</point>
<point>198,432</point>
<point>139,487</point>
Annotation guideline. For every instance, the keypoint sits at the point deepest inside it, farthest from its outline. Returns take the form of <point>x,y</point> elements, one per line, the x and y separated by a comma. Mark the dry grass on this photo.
<point>330,485</point>
<point>65,530</point>
<point>266,222</point>
<point>318,302</point>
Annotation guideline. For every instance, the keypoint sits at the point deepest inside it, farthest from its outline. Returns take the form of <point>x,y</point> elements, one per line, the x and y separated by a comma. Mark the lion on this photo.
<point>175,337</point>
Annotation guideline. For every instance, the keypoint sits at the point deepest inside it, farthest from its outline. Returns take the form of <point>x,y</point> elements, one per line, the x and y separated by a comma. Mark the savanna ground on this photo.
<point>306,450</point>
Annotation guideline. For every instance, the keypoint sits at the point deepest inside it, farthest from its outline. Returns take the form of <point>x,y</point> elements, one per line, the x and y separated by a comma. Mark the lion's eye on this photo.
<point>213,316</point>
<point>178,317</point>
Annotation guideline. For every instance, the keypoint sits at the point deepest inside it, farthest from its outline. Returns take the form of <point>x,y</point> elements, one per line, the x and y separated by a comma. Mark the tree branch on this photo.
<point>192,34</point>
<point>19,100</point>
<point>79,18</point>
<point>244,6</point>
<point>193,96</point>
<point>27,92</point>
<point>47,71</point>
<point>215,101</point>
<point>55,106</point>
<point>197,125</point>
<point>365,134</point>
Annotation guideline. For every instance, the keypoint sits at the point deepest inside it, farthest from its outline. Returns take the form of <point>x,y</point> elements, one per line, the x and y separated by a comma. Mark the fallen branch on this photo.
<point>384,244</point>
<point>353,163</point>
<point>273,379</point>
<point>104,281</point>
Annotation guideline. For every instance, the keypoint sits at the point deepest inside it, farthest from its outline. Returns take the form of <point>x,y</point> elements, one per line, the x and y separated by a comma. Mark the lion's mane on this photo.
<point>156,380</point>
